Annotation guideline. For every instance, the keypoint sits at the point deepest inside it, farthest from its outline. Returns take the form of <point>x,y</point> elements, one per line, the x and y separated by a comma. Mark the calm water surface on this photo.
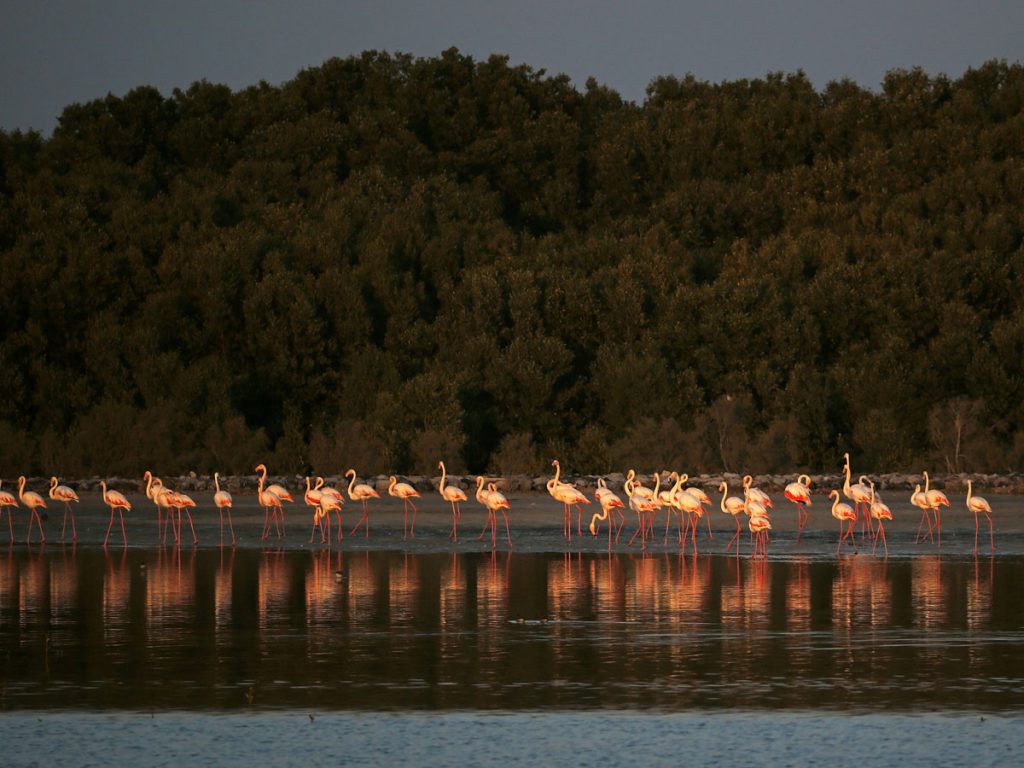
<point>255,631</point>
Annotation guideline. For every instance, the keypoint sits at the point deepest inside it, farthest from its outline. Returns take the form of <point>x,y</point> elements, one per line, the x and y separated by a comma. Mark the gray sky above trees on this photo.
<point>56,52</point>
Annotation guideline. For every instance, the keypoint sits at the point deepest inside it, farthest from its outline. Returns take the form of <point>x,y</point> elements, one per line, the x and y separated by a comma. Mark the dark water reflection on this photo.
<point>383,630</point>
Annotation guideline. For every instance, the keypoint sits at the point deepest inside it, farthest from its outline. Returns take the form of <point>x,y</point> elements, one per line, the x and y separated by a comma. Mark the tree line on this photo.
<point>390,260</point>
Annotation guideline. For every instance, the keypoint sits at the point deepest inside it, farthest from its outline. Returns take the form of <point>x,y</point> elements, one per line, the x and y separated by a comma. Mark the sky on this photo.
<point>58,52</point>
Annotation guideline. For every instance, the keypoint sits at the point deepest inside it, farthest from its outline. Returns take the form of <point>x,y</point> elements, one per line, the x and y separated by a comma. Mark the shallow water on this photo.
<point>379,650</point>
<point>248,629</point>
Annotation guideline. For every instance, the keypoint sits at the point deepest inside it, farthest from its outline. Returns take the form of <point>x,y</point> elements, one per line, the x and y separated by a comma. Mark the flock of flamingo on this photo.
<point>686,504</point>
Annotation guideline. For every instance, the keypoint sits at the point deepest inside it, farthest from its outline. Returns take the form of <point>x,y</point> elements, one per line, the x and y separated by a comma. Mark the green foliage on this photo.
<point>391,260</point>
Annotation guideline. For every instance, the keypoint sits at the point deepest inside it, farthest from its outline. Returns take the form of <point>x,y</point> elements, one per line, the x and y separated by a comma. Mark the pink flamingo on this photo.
<point>936,500</point>
<point>361,492</point>
<point>688,504</point>
<point>735,506</point>
<point>150,481</point>
<point>843,513</point>
<point>322,517</point>
<point>606,497</point>
<point>879,512</point>
<point>222,500</point>
<point>282,494</point>
<point>494,502</point>
<point>182,501</point>
<point>33,501</point>
<point>406,493</point>
<point>704,499</point>
<point>7,500</point>
<point>268,499</point>
<point>800,494</point>
<point>569,496</point>
<point>642,501</point>
<point>977,504</point>
<point>115,500</point>
<point>334,493</point>
<point>756,494</point>
<point>65,495</point>
<point>859,494</point>
<point>759,525</point>
<point>163,498</point>
<point>920,501</point>
<point>455,496</point>
<point>609,502</point>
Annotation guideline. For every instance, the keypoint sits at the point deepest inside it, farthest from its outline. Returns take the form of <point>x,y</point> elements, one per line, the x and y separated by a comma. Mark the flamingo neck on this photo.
<point>216,481</point>
<point>926,482</point>
<point>846,469</point>
<point>392,481</point>
<point>724,488</point>
<point>834,495</point>
<point>351,482</point>
<point>444,473</point>
<point>968,492</point>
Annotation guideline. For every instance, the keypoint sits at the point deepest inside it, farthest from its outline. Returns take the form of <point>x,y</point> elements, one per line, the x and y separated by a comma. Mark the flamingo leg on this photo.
<point>991,533</point>
<point>924,516</point>
<point>231,526</point>
<point>109,526</point>
<point>508,533</point>
<point>579,520</point>
<point>124,534</point>
<point>10,525</point>
<point>65,523</point>
<point>711,533</point>
<point>341,532</point>
<point>195,539</point>
<point>412,531</point>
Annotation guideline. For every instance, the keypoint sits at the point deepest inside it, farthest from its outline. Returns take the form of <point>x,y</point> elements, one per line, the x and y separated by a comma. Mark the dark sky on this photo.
<point>56,52</point>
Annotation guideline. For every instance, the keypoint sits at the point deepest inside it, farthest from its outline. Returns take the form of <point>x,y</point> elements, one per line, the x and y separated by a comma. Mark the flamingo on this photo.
<point>858,494</point>
<point>687,503</point>
<point>607,497</point>
<point>494,502</point>
<point>481,497</point>
<point>148,477</point>
<point>338,496</point>
<point>66,495</point>
<point>182,501</point>
<point>879,512</point>
<point>920,501</point>
<point>222,500</point>
<point>759,524</point>
<point>843,513</point>
<point>977,504</point>
<point>666,498</point>
<point>162,497</point>
<point>313,495</point>
<point>322,517</point>
<point>268,499</point>
<point>800,494</point>
<point>936,500</point>
<point>756,494</point>
<point>731,505</point>
<point>282,495</point>
<point>361,492</point>
<point>8,500</point>
<point>609,501</point>
<point>703,498</point>
<point>753,508</point>
<point>569,496</point>
<point>33,501</point>
<point>455,496</point>
<point>115,500</point>
<point>641,501</point>
<point>406,493</point>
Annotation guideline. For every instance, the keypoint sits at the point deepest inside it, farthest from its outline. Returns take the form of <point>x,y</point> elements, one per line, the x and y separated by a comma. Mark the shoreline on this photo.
<point>999,484</point>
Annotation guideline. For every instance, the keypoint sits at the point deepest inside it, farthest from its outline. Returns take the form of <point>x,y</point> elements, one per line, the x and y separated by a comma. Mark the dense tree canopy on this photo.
<point>390,260</point>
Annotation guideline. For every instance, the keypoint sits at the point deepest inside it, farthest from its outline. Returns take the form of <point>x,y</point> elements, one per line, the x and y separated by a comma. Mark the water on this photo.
<point>383,651</point>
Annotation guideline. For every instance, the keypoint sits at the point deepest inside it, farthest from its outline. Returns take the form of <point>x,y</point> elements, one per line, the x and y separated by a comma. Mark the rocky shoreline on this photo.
<point>898,481</point>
